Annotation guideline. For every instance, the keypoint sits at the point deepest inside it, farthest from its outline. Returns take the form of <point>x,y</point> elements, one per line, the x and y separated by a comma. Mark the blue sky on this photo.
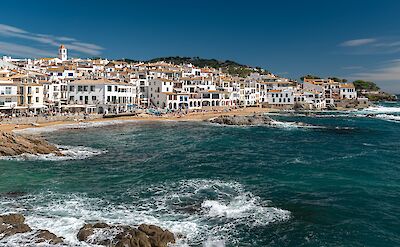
<point>351,39</point>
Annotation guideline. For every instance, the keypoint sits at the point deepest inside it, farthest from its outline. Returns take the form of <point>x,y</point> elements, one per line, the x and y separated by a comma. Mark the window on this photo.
<point>8,90</point>
<point>85,88</point>
<point>92,88</point>
<point>37,99</point>
<point>79,88</point>
<point>116,88</point>
<point>81,98</point>
<point>109,88</point>
<point>71,98</point>
<point>94,98</point>
<point>70,74</point>
<point>71,88</point>
<point>8,100</point>
<point>37,90</point>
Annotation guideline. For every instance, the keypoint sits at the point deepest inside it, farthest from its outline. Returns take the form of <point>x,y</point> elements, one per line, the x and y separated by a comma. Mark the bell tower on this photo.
<point>62,53</point>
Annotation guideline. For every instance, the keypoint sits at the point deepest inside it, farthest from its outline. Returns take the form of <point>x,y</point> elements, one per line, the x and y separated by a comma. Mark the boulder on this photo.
<point>85,232</point>
<point>12,219</point>
<point>126,236</point>
<point>242,120</point>
<point>12,145</point>
<point>46,236</point>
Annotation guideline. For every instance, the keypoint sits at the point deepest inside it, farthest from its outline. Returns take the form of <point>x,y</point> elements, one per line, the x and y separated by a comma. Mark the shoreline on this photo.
<point>193,116</point>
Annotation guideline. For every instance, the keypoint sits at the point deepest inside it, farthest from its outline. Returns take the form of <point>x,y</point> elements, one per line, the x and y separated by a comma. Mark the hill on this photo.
<point>227,66</point>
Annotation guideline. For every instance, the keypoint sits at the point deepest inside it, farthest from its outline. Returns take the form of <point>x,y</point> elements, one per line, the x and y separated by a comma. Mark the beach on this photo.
<point>193,116</point>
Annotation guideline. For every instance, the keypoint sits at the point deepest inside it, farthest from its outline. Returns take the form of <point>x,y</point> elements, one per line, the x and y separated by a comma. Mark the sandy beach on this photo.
<point>193,116</point>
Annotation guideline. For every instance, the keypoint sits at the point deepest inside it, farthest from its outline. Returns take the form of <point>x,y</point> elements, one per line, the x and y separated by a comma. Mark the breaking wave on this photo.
<point>69,152</point>
<point>389,117</point>
<point>79,125</point>
<point>206,212</point>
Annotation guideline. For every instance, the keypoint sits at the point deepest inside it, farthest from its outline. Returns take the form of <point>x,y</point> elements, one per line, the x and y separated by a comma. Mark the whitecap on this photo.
<point>69,152</point>
<point>379,109</point>
<point>218,208</point>
<point>389,117</point>
<point>78,125</point>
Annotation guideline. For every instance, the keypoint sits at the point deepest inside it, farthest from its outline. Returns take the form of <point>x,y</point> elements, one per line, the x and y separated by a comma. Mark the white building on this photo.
<point>62,53</point>
<point>101,96</point>
<point>347,91</point>
<point>8,95</point>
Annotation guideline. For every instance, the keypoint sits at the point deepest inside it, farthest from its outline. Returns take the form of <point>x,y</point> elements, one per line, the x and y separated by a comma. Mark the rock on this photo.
<point>85,232</point>
<point>46,236</point>
<point>242,120</point>
<point>12,219</point>
<point>12,194</point>
<point>12,224</point>
<point>126,236</point>
<point>11,145</point>
<point>158,237</point>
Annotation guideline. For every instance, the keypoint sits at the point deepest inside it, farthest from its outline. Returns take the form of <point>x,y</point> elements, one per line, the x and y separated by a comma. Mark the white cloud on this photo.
<point>22,50</point>
<point>388,72</point>
<point>358,42</point>
<point>50,40</point>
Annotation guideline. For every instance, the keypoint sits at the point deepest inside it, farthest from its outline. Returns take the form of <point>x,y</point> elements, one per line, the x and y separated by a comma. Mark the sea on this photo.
<point>333,182</point>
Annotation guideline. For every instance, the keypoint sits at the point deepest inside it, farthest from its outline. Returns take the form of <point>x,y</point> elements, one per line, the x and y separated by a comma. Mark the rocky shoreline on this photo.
<point>13,145</point>
<point>256,119</point>
<point>96,234</point>
<point>251,120</point>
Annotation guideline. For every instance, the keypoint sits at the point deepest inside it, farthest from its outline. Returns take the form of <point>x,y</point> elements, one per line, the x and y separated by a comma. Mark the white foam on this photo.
<point>294,125</point>
<point>219,207</point>
<point>389,117</point>
<point>246,208</point>
<point>380,109</point>
<point>79,125</point>
<point>69,152</point>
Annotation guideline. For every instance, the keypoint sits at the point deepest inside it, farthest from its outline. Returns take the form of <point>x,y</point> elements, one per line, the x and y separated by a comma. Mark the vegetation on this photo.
<point>336,79</point>
<point>227,66</point>
<point>365,85</point>
<point>309,77</point>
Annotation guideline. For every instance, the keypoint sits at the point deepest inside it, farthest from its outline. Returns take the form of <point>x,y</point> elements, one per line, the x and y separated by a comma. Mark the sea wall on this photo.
<point>42,119</point>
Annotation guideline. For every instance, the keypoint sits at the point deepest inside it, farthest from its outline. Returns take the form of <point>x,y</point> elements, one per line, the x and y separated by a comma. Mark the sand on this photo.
<point>194,116</point>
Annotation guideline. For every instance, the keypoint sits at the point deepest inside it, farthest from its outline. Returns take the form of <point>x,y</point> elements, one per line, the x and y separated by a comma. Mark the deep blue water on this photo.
<point>240,186</point>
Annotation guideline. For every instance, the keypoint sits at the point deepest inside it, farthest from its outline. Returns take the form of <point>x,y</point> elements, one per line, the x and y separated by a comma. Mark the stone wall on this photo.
<point>41,119</point>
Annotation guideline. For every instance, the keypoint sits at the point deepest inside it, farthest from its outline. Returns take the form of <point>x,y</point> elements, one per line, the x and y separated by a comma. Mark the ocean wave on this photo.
<point>379,109</point>
<point>389,117</point>
<point>78,125</point>
<point>294,125</point>
<point>203,211</point>
<point>69,152</point>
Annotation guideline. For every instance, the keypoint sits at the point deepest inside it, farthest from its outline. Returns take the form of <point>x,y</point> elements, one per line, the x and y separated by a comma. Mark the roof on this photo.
<point>347,85</point>
<point>98,82</point>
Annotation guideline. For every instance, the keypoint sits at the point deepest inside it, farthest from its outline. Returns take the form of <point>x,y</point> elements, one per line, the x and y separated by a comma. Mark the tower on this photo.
<point>62,53</point>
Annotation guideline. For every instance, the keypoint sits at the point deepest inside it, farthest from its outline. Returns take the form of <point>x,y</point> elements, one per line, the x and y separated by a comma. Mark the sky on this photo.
<point>353,39</point>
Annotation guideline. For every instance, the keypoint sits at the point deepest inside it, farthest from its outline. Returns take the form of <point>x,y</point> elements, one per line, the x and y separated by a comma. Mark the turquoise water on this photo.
<point>334,185</point>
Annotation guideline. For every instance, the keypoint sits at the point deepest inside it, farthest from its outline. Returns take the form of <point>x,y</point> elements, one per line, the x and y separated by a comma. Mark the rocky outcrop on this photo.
<point>242,120</point>
<point>12,145</point>
<point>125,236</point>
<point>12,224</point>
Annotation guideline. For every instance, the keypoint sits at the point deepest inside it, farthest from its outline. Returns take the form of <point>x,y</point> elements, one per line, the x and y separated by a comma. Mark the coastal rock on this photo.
<point>12,224</point>
<point>242,120</point>
<point>12,145</point>
<point>46,236</point>
<point>125,236</point>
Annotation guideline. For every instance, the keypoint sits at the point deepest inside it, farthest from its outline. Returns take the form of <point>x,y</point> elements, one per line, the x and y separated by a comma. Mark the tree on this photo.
<point>365,85</point>
<point>309,77</point>
<point>336,79</point>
